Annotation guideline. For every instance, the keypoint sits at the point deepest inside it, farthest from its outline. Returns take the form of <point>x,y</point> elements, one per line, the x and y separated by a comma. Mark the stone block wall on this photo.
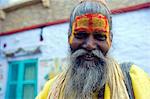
<point>36,13</point>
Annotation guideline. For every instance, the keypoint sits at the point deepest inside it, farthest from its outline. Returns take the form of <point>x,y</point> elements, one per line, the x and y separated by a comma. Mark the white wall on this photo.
<point>131,37</point>
<point>55,39</point>
<point>3,77</point>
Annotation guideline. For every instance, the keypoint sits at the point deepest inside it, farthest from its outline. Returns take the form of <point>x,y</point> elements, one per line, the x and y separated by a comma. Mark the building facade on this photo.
<point>34,48</point>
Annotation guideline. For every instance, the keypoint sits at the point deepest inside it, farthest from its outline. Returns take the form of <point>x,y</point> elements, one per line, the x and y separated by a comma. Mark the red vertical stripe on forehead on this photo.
<point>90,19</point>
<point>89,16</point>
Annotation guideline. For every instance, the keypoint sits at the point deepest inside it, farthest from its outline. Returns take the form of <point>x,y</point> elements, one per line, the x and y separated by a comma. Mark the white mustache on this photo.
<point>93,53</point>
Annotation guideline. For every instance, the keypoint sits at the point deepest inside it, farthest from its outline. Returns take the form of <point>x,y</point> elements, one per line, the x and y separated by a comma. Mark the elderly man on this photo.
<point>92,74</point>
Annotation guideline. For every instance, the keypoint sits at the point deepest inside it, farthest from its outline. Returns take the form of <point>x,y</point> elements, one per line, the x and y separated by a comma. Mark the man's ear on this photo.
<point>111,36</point>
<point>69,38</point>
<point>110,39</point>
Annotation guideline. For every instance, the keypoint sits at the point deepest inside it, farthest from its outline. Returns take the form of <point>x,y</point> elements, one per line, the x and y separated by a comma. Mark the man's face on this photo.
<point>89,43</point>
<point>90,32</point>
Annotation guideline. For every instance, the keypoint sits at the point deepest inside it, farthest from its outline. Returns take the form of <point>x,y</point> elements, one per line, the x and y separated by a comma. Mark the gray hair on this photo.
<point>90,7</point>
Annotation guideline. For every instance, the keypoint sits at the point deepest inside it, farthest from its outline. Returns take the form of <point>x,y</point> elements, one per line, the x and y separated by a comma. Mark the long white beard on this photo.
<point>85,77</point>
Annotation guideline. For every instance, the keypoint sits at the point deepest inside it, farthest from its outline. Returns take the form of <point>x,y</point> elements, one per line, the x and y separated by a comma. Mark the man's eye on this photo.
<point>100,37</point>
<point>80,35</point>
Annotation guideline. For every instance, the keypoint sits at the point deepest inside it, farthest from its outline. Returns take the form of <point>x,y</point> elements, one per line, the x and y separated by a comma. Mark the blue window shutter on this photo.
<point>22,79</point>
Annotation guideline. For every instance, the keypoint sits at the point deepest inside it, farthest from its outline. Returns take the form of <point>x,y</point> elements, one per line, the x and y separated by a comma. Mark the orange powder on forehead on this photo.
<point>91,21</point>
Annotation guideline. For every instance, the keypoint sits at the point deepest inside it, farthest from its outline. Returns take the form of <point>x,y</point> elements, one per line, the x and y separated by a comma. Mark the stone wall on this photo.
<point>36,13</point>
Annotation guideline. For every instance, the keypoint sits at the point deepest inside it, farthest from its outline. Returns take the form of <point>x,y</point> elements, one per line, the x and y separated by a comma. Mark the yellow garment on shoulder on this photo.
<point>44,93</point>
<point>140,83</point>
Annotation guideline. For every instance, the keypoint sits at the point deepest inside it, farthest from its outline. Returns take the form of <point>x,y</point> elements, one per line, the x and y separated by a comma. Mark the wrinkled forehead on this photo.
<point>93,21</point>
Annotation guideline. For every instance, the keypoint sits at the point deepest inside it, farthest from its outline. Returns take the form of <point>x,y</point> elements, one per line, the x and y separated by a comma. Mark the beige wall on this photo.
<point>37,14</point>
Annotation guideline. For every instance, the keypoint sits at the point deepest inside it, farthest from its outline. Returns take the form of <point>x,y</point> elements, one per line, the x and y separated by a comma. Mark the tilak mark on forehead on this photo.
<point>98,21</point>
<point>91,22</point>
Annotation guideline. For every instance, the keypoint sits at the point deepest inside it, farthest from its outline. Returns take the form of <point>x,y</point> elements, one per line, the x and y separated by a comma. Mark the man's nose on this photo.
<point>89,44</point>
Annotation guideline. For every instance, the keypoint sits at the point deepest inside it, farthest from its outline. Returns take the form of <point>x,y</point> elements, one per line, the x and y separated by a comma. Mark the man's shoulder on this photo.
<point>139,74</point>
<point>136,81</point>
<point>137,71</point>
<point>132,69</point>
<point>140,82</point>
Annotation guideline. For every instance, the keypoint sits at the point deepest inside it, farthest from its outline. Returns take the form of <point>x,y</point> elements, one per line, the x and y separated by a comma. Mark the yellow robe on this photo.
<point>140,83</point>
